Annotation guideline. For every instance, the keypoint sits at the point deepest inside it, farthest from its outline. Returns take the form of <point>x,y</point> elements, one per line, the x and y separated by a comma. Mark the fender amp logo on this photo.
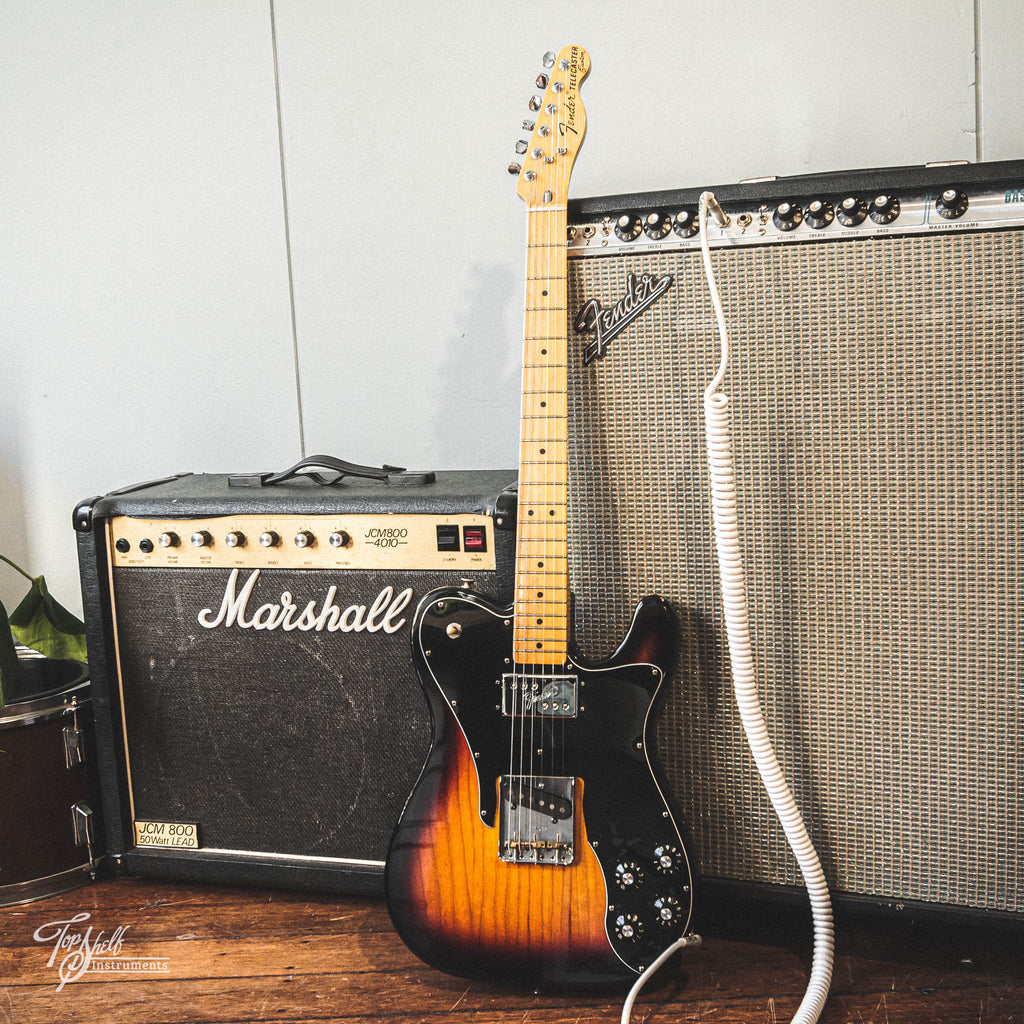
<point>382,614</point>
<point>641,293</point>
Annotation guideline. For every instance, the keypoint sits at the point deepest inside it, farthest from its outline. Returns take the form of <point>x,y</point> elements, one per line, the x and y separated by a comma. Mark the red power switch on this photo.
<point>474,538</point>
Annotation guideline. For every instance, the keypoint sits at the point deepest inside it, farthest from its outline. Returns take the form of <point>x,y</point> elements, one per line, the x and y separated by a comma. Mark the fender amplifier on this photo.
<point>258,716</point>
<point>877,332</point>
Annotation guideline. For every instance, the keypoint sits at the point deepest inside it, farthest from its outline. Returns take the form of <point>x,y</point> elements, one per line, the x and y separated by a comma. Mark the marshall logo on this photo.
<point>285,614</point>
<point>606,324</point>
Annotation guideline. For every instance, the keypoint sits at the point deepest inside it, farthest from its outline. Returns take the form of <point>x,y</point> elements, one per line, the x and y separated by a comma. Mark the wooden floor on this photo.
<point>210,954</point>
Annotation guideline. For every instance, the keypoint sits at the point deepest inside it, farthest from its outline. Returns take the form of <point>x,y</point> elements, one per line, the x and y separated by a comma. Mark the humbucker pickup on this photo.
<point>544,696</point>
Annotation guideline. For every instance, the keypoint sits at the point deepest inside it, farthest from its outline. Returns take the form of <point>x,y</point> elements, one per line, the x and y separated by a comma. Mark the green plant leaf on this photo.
<point>8,659</point>
<point>44,625</point>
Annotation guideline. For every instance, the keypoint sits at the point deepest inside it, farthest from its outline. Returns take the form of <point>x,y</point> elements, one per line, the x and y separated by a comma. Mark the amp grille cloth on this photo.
<point>876,399</point>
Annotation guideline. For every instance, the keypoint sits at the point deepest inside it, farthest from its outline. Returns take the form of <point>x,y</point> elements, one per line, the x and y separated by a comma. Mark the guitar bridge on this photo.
<point>536,819</point>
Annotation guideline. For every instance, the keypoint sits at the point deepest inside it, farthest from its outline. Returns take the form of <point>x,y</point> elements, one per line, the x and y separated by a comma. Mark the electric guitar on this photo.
<point>536,845</point>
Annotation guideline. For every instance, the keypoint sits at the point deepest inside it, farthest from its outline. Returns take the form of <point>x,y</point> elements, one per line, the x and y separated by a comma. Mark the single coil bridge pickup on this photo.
<point>539,696</point>
<point>536,819</point>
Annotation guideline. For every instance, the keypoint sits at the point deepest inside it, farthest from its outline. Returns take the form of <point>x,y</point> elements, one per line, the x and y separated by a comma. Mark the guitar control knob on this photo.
<point>952,204</point>
<point>787,216</point>
<point>269,539</point>
<point>885,209</point>
<point>657,225</point>
<point>685,224</point>
<point>627,227</point>
<point>820,213</point>
<point>168,540</point>
<point>340,539</point>
<point>235,539</point>
<point>629,927</point>
<point>852,211</point>
<point>667,858</point>
<point>201,539</point>
<point>667,910</point>
<point>628,875</point>
<point>304,539</point>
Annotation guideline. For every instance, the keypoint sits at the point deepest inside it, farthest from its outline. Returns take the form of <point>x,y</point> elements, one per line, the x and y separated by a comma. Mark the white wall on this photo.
<point>146,323</point>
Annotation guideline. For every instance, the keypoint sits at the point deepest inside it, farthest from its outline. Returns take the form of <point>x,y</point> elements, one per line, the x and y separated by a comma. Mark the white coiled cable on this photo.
<point>734,599</point>
<point>718,429</point>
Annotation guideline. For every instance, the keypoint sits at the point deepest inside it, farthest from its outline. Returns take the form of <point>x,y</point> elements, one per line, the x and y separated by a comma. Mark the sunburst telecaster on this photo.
<point>537,844</point>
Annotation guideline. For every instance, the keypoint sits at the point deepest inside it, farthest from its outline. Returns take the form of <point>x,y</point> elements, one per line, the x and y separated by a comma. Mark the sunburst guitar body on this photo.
<point>537,845</point>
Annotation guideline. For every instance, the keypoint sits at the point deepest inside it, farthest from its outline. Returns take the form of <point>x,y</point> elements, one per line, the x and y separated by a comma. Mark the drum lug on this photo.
<point>73,747</point>
<point>81,816</point>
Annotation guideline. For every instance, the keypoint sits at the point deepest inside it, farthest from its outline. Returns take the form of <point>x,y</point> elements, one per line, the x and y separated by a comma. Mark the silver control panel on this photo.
<point>810,218</point>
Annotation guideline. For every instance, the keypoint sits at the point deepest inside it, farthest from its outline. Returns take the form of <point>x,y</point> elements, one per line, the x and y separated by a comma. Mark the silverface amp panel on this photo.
<point>258,717</point>
<point>876,376</point>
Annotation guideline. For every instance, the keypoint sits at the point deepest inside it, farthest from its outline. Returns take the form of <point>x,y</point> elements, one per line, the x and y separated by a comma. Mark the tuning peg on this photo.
<point>542,81</point>
<point>534,103</point>
<point>549,59</point>
<point>514,168</point>
<point>521,147</point>
<point>528,126</point>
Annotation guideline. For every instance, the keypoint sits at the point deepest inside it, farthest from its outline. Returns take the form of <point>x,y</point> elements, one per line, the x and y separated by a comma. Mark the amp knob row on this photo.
<point>268,539</point>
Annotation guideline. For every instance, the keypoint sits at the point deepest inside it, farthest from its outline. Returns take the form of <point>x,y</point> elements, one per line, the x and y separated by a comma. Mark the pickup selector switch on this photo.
<point>952,203</point>
<point>852,211</point>
<point>820,213</point>
<point>787,216</point>
<point>657,225</point>
<point>885,209</point>
<point>628,227</point>
<point>685,224</point>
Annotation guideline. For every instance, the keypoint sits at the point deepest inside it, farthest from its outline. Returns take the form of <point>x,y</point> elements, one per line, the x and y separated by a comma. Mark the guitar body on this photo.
<point>537,845</point>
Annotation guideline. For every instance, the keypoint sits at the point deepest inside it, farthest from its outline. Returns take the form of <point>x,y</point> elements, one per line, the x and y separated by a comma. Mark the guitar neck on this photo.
<point>541,579</point>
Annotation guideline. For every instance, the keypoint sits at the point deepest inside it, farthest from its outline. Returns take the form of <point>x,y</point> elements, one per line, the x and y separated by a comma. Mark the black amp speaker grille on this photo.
<point>294,743</point>
<point>876,393</point>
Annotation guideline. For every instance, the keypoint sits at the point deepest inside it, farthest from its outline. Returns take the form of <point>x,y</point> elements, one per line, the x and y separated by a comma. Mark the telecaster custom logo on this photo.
<point>605,324</point>
<point>382,614</point>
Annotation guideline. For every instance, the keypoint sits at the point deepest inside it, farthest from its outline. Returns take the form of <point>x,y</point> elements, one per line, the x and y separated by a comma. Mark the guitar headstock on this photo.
<point>558,123</point>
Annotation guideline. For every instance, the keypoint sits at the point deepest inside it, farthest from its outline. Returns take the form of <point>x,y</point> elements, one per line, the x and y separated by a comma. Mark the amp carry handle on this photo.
<point>338,469</point>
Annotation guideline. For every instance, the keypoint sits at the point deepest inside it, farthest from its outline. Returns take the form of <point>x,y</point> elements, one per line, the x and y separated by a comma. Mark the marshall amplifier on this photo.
<point>258,716</point>
<point>876,384</point>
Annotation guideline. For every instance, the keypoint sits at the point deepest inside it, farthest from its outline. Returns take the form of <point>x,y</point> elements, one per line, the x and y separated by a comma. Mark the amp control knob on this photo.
<point>952,203</point>
<point>820,213</point>
<point>235,539</point>
<point>885,208</point>
<point>269,539</point>
<point>657,225</point>
<point>852,211</point>
<point>627,227</point>
<point>304,539</point>
<point>201,539</point>
<point>685,224</point>
<point>168,540</point>
<point>787,216</point>
<point>340,539</point>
